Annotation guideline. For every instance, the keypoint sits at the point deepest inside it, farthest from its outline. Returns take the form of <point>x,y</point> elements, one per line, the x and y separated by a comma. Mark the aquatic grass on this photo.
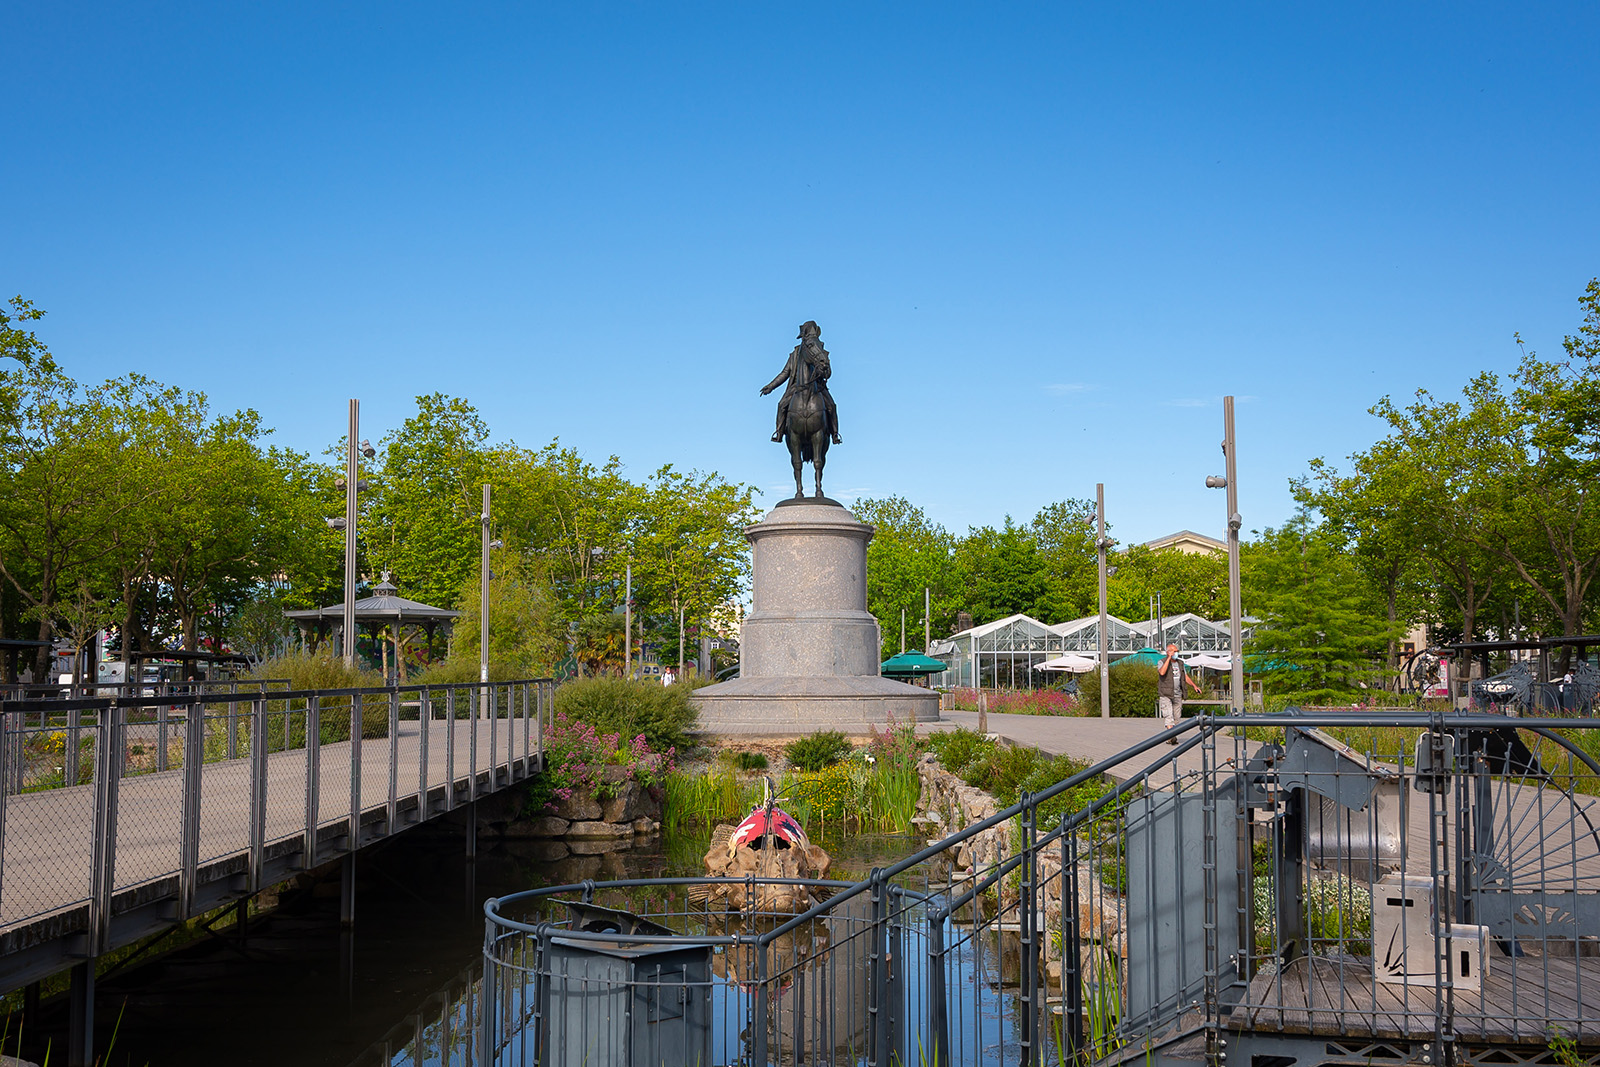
<point>706,799</point>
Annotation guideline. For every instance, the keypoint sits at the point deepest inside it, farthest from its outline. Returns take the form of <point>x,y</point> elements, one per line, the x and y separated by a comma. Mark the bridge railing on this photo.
<point>107,802</point>
<point>1406,879</point>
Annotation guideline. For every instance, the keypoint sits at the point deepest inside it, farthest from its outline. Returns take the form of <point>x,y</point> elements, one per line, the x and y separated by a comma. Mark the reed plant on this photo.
<point>706,799</point>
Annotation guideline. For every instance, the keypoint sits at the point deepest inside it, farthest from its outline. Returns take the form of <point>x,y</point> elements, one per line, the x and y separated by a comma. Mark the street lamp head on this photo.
<point>497,543</point>
<point>366,448</point>
<point>1216,481</point>
<point>335,522</point>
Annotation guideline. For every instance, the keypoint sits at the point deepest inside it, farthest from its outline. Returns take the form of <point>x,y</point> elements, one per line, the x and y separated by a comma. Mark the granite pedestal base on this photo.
<point>809,647</point>
<point>791,707</point>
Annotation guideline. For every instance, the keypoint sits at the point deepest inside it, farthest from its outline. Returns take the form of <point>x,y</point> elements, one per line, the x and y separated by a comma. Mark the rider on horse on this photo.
<point>808,368</point>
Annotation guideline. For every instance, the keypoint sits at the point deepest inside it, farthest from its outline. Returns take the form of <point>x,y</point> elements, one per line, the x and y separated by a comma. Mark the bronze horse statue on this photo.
<point>807,417</point>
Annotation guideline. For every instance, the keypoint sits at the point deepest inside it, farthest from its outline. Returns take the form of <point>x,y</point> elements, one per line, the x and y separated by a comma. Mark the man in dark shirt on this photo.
<point>1171,676</point>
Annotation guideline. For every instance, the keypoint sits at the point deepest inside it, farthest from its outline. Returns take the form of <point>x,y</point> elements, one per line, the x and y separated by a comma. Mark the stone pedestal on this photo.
<point>808,651</point>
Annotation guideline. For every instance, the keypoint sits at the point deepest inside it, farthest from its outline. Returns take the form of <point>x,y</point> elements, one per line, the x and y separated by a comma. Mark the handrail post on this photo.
<point>487,998</point>
<point>355,774</point>
<point>472,743</point>
<point>69,764</point>
<point>450,749</point>
<point>308,853</point>
<point>1027,905</point>
<point>541,699</point>
<point>938,1008</point>
<point>108,769</point>
<point>258,792</point>
<point>1071,942</point>
<point>5,791</point>
<point>762,1006</point>
<point>163,721</point>
<point>194,755</point>
<point>494,736</point>
<point>424,727</point>
<point>527,732</point>
<point>877,1016</point>
<point>394,759</point>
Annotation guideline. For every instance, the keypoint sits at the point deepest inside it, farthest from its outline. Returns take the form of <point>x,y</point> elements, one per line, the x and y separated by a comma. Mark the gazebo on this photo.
<point>384,608</point>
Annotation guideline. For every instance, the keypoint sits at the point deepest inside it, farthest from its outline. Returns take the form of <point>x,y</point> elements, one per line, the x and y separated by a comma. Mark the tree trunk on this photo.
<point>44,656</point>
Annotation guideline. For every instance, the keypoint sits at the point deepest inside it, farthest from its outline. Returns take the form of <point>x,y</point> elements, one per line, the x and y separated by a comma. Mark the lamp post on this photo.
<point>1229,481</point>
<point>352,484</point>
<point>1101,544</point>
<point>627,622</point>
<point>483,605</point>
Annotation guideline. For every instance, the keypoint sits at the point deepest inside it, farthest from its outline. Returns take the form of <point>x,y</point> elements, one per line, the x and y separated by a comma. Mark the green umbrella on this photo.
<point>1144,655</point>
<point>910,664</point>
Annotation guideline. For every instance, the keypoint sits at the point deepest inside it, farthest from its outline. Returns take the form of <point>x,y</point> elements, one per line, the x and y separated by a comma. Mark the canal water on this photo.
<point>297,989</point>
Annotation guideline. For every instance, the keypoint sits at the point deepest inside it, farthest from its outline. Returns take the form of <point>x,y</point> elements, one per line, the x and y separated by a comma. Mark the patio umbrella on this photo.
<point>912,664</point>
<point>1068,662</point>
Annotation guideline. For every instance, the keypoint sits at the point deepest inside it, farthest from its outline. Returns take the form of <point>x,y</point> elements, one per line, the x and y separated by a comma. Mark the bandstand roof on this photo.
<point>385,603</point>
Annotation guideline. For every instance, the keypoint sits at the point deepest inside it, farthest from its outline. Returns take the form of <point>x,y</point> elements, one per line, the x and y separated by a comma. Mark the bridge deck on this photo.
<point>46,882</point>
<point>1330,997</point>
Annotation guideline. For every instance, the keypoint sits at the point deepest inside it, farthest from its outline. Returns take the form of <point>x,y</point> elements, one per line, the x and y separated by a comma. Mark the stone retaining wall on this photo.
<point>950,805</point>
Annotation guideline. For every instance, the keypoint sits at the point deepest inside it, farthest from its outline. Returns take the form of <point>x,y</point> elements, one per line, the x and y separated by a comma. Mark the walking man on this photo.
<point>1169,684</point>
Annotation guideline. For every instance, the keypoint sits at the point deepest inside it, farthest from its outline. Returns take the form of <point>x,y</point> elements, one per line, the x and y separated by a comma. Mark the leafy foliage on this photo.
<point>1134,690</point>
<point>662,715</point>
<point>822,749</point>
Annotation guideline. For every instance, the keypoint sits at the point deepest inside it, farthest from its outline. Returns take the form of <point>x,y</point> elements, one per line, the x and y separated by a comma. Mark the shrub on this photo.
<point>822,749</point>
<point>662,714</point>
<point>324,669</point>
<point>1133,690</point>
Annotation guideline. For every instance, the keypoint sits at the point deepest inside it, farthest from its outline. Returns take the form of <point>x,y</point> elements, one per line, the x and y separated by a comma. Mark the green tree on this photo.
<point>424,521</point>
<point>21,344</point>
<point>908,553</point>
<point>1320,626</point>
<point>1187,581</point>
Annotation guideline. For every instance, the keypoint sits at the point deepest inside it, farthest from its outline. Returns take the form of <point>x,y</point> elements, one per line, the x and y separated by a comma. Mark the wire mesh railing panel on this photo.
<point>47,832</point>
<point>225,780</point>
<point>149,802</point>
<point>284,791</point>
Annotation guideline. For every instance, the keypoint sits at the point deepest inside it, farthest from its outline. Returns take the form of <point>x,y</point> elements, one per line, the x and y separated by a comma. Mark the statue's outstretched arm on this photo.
<point>783,376</point>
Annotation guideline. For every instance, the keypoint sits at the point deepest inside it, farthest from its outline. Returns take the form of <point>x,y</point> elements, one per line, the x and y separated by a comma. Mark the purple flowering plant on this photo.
<point>577,756</point>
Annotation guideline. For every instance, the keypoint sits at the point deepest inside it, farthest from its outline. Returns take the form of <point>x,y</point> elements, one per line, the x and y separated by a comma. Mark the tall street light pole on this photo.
<point>351,476</point>
<point>483,606</point>
<point>627,622</point>
<point>1101,544</point>
<point>1230,482</point>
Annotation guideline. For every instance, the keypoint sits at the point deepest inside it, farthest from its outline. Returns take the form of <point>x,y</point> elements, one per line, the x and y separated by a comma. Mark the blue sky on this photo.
<point>1042,241</point>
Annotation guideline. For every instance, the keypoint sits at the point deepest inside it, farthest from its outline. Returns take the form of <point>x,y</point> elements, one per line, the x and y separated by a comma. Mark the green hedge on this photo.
<point>1133,691</point>
<point>663,714</point>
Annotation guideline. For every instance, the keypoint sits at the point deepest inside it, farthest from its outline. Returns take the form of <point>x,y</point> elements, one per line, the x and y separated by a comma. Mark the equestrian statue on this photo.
<point>807,416</point>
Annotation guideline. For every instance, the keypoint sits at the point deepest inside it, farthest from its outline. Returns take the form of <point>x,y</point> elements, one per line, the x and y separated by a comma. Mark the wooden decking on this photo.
<point>1522,1000</point>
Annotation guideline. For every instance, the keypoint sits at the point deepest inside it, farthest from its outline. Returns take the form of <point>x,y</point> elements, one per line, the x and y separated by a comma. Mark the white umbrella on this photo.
<point>1215,663</point>
<point>1068,662</point>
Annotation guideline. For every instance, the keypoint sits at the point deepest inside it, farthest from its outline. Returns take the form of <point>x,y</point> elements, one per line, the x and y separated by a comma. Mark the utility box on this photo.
<point>620,1002</point>
<point>1403,945</point>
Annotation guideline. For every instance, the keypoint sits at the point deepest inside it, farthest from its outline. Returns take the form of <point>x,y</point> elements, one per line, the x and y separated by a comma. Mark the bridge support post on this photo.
<point>472,831</point>
<point>347,890</point>
<point>80,1016</point>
